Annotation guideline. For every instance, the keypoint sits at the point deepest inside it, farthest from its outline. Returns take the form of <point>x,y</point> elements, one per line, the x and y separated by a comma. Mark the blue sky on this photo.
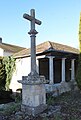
<point>60,21</point>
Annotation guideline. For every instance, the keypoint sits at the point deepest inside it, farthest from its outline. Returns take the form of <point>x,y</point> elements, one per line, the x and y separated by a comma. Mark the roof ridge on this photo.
<point>12,45</point>
<point>50,43</point>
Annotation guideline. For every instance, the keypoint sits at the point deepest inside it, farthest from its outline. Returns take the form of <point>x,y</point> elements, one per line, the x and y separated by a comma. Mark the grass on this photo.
<point>8,109</point>
<point>70,103</point>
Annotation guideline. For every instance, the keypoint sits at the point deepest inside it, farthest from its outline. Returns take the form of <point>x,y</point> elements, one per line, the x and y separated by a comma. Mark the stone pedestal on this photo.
<point>33,94</point>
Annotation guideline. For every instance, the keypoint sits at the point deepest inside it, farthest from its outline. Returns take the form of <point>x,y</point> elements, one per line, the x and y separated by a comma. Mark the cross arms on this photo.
<point>30,18</point>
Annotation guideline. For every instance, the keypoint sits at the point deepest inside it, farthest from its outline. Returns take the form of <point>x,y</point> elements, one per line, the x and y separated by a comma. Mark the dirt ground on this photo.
<point>64,107</point>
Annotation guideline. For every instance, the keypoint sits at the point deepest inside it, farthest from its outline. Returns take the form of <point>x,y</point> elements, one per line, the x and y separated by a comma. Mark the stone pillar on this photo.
<point>72,69</point>
<point>37,66</point>
<point>63,69</point>
<point>51,69</point>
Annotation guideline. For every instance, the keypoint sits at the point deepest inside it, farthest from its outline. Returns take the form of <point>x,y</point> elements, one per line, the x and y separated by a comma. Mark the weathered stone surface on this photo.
<point>60,88</point>
<point>33,95</point>
<point>33,79</point>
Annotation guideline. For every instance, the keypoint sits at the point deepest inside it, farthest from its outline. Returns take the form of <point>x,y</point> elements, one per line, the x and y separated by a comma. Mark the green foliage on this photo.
<point>49,98</point>
<point>9,64</point>
<point>78,77</point>
<point>2,76</point>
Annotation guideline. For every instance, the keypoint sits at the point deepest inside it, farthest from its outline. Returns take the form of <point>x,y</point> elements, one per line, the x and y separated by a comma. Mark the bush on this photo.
<point>5,96</point>
<point>7,67</point>
<point>2,76</point>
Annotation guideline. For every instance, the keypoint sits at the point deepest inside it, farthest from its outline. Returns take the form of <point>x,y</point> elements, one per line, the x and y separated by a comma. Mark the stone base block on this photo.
<point>33,94</point>
<point>33,110</point>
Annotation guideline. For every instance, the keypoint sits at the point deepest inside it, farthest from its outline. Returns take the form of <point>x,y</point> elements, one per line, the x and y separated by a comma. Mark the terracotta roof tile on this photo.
<point>46,46</point>
<point>66,48</point>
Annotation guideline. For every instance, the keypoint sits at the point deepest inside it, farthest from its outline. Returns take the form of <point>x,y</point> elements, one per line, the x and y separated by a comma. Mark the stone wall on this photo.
<point>60,88</point>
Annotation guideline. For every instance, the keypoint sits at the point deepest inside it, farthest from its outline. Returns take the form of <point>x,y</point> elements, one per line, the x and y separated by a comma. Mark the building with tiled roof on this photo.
<point>8,49</point>
<point>57,62</point>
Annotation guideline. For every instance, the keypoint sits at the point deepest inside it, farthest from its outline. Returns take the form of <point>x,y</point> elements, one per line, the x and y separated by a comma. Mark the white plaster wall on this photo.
<point>26,63</point>
<point>1,52</point>
<point>23,68</point>
<point>17,75</point>
<point>14,85</point>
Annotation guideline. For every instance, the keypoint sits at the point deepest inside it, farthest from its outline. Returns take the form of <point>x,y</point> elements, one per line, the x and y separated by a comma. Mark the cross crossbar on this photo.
<point>30,18</point>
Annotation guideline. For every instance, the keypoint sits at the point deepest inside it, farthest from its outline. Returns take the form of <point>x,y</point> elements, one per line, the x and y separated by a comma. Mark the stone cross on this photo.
<point>33,85</point>
<point>32,33</point>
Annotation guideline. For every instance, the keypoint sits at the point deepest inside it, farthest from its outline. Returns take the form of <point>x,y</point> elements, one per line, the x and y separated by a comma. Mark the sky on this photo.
<point>60,21</point>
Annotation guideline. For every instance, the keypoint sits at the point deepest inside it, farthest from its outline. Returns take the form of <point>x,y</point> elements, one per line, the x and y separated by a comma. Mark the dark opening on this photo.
<point>57,70</point>
<point>68,70</point>
<point>44,67</point>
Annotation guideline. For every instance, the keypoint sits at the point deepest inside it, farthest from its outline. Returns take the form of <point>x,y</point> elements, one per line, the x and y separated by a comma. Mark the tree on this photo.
<point>9,64</point>
<point>78,77</point>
